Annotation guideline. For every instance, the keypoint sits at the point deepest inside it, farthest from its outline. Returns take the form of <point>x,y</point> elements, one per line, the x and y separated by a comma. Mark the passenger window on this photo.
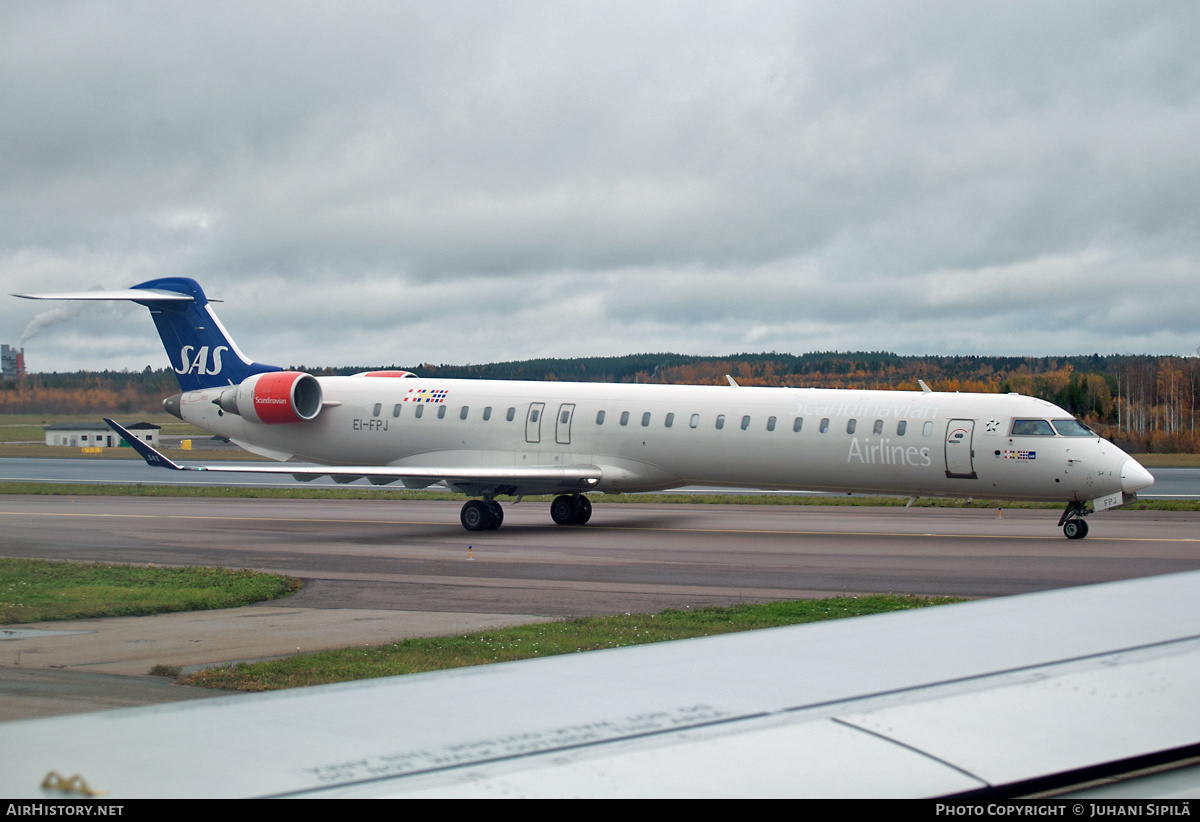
<point>624,418</point>
<point>901,427</point>
<point>378,408</point>
<point>487,413</point>
<point>695,421</point>
<point>745,422</point>
<point>534,414</point>
<point>645,419</point>
<point>720,421</point>
<point>878,429</point>
<point>462,412</point>
<point>396,410</point>
<point>565,417</point>
<point>770,423</point>
<point>1032,428</point>
<point>670,420</point>
<point>851,425</point>
<point>599,418</point>
<point>512,412</point>
<point>825,425</point>
<point>418,411</point>
<point>797,424</point>
<point>441,412</point>
<point>927,430</point>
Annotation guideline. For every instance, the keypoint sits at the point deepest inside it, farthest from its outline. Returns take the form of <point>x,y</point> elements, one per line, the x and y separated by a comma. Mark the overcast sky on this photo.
<point>374,183</point>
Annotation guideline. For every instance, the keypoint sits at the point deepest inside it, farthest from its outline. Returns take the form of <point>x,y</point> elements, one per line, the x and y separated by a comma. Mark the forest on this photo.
<point>1146,404</point>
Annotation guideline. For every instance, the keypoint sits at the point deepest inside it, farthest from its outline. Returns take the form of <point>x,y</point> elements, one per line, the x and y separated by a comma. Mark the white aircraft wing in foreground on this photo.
<point>994,698</point>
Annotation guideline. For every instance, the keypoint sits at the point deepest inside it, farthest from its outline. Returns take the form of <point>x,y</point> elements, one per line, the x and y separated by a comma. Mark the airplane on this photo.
<point>493,438</point>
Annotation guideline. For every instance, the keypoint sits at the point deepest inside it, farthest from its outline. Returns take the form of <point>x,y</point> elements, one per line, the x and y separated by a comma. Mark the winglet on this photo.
<point>147,453</point>
<point>925,389</point>
<point>732,382</point>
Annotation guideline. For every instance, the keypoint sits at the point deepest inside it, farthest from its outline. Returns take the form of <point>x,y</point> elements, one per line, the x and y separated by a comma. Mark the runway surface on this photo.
<point>378,570</point>
<point>413,555</point>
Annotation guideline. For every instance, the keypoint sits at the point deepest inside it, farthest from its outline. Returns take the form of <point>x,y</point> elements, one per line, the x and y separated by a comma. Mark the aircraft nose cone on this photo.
<point>1134,477</point>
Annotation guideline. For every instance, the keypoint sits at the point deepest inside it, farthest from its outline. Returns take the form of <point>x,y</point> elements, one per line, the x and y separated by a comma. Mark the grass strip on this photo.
<point>368,493</point>
<point>34,590</point>
<point>538,640</point>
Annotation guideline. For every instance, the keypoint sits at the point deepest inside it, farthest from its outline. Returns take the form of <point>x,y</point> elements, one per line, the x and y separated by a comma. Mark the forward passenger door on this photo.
<point>960,458</point>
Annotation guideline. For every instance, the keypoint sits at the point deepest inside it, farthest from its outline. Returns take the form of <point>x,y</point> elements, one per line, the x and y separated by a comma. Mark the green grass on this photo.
<point>75,452</point>
<point>539,640</point>
<point>28,427</point>
<point>34,590</point>
<point>1168,460</point>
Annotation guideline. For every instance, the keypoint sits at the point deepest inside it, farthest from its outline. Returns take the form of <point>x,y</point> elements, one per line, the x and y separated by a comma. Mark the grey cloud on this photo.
<point>494,180</point>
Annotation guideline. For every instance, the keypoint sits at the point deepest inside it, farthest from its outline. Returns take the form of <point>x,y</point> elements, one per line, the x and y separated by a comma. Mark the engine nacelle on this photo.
<point>273,398</point>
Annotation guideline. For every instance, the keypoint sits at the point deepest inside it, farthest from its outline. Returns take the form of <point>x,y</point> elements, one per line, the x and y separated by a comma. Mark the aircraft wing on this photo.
<point>980,700</point>
<point>568,477</point>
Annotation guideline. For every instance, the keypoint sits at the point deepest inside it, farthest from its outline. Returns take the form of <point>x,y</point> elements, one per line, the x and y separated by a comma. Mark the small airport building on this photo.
<point>97,434</point>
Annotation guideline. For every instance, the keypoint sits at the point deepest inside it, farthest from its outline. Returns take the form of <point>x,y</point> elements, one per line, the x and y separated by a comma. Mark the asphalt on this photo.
<point>378,571</point>
<point>53,668</point>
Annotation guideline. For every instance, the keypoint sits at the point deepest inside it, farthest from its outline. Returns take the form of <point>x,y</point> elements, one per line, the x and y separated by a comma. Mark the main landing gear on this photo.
<point>481,515</point>
<point>571,509</point>
<point>487,515</point>
<point>1072,521</point>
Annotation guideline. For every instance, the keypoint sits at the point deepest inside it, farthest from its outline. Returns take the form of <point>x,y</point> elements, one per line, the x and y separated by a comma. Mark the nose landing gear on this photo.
<point>1072,521</point>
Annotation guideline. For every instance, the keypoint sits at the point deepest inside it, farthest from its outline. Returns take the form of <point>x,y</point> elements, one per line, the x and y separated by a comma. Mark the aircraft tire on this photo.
<point>497,515</point>
<point>1075,529</point>
<point>583,510</point>
<point>475,515</point>
<point>562,510</point>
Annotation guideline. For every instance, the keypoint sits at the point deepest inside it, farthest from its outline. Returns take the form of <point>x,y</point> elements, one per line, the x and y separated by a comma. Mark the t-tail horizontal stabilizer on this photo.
<point>202,353</point>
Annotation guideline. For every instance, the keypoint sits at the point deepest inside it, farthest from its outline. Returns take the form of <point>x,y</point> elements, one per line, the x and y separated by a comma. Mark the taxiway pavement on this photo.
<point>377,570</point>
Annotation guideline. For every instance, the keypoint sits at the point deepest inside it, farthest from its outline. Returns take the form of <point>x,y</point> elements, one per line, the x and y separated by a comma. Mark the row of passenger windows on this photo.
<point>797,423</point>
<point>463,412</point>
<point>668,420</point>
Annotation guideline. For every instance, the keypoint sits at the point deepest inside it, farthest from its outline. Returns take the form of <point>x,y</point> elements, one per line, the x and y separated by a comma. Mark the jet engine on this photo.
<point>274,397</point>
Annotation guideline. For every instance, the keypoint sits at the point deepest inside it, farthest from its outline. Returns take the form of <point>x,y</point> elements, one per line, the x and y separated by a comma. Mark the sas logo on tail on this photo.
<point>199,363</point>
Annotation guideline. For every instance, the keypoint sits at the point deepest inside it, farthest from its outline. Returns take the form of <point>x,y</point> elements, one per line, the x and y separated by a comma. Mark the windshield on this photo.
<point>1073,428</point>
<point>1032,428</point>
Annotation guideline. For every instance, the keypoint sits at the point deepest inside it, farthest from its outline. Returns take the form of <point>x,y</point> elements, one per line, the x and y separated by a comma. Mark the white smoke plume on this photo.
<point>63,313</point>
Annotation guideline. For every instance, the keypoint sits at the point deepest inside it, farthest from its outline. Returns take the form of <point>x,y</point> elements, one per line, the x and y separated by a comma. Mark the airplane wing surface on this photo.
<point>566,477</point>
<point>989,698</point>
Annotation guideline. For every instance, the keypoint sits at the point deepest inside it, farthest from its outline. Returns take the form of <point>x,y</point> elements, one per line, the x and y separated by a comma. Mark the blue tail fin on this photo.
<point>200,349</point>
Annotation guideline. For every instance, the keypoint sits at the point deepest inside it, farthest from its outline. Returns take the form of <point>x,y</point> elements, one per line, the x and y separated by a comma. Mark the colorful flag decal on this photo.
<point>426,395</point>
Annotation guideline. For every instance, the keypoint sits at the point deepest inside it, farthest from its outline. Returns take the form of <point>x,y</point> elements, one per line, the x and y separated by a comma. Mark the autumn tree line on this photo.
<point>1143,403</point>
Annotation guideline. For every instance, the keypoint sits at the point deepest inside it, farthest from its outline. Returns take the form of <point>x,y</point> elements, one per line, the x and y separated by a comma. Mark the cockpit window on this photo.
<point>1032,428</point>
<point>1073,428</point>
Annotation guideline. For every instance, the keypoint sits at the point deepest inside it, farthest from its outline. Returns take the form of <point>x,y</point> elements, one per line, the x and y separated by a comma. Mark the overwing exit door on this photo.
<point>533,422</point>
<point>562,429</point>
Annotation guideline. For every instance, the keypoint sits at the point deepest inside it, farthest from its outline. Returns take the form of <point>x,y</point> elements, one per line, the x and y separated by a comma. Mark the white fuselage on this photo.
<point>651,437</point>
